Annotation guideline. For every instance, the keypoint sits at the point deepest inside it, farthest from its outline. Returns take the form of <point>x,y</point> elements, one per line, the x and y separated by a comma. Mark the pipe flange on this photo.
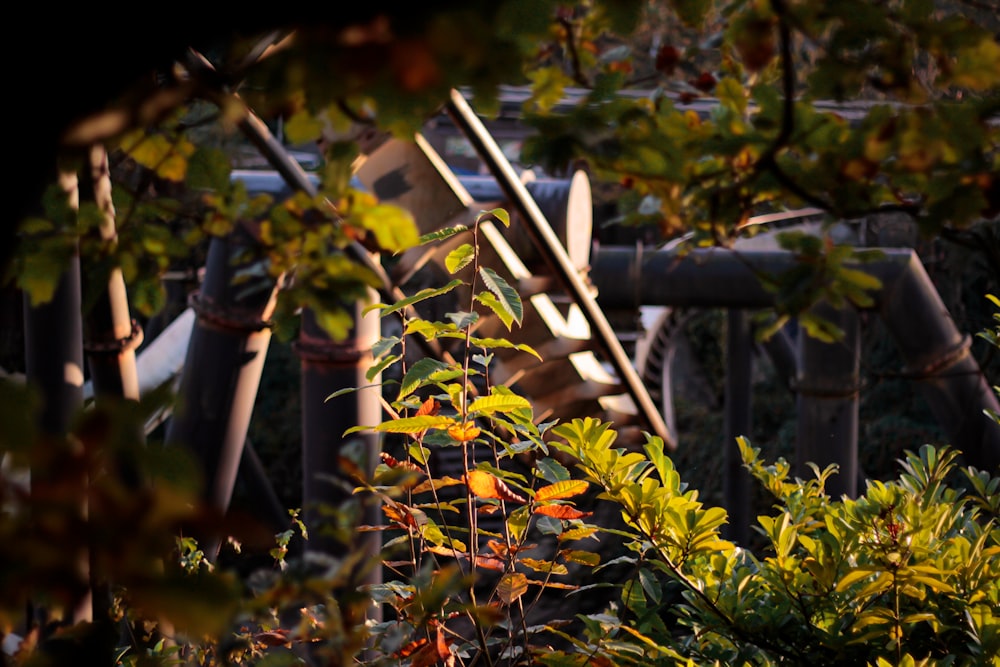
<point>935,365</point>
<point>234,319</point>
<point>116,345</point>
<point>329,352</point>
<point>818,391</point>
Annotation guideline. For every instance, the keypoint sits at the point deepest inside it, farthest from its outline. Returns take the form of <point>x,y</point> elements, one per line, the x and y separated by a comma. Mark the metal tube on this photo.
<point>739,371</point>
<point>827,389</point>
<point>935,351</point>
<point>222,369</point>
<point>110,334</point>
<point>53,355</point>
<point>327,367</point>
<point>555,255</point>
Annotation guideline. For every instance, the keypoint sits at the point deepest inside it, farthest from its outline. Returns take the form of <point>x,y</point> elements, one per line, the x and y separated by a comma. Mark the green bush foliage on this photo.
<point>906,574</point>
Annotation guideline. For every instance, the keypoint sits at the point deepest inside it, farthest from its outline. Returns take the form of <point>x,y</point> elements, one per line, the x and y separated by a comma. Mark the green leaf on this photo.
<point>381,365</point>
<point>507,298</point>
<point>459,258</point>
<point>487,405</point>
<point>209,169</point>
<point>303,128</point>
<point>498,214</point>
<point>978,67</point>
<point>337,322</point>
<point>393,226</point>
<point>441,234</point>
<point>419,373</point>
<point>422,295</point>
<point>414,425</point>
<point>418,453</point>
<point>548,85</point>
<point>503,343</point>
<point>551,470</point>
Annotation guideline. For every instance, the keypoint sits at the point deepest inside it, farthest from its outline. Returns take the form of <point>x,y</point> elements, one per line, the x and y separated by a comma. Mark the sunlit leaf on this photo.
<point>487,405</point>
<point>414,425</point>
<point>560,490</point>
<point>564,512</point>
<point>484,485</point>
<point>459,258</point>
<point>507,298</point>
<point>511,587</point>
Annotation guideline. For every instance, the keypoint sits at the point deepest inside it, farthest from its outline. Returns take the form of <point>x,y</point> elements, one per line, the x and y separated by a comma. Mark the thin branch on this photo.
<point>574,55</point>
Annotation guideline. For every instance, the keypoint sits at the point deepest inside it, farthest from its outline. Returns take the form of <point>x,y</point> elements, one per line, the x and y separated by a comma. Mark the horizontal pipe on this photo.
<point>935,351</point>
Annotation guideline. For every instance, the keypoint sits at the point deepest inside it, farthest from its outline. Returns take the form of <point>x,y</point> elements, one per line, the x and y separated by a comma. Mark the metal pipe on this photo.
<point>936,353</point>
<point>110,333</point>
<point>53,356</point>
<point>222,368</point>
<point>827,389</point>
<point>556,256</point>
<point>739,372</point>
<point>327,367</point>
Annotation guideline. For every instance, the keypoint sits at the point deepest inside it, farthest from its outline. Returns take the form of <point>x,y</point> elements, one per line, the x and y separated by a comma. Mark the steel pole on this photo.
<point>557,258</point>
<point>827,388</point>
<point>53,355</point>
<point>327,455</point>
<point>739,379</point>
<point>222,369</point>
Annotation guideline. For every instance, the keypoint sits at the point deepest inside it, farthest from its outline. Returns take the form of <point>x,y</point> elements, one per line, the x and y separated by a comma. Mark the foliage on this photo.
<point>905,574</point>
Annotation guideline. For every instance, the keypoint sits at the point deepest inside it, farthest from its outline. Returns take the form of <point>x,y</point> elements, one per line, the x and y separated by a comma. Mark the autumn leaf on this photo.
<point>484,485</point>
<point>411,648</point>
<point>490,563</point>
<point>430,653</point>
<point>464,432</point>
<point>431,406</point>
<point>399,515</point>
<point>392,462</point>
<point>512,586</point>
<point>501,549</point>
<point>564,489</point>
<point>561,512</point>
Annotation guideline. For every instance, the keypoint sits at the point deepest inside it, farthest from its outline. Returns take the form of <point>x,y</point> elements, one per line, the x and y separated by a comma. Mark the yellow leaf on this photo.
<point>512,586</point>
<point>564,489</point>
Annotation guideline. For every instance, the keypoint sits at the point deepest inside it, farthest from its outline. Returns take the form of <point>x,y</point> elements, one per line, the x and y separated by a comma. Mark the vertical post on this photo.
<point>53,351</point>
<point>739,371</point>
<point>827,403</point>
<point>222,369</point>
<point>110,334</point>
<point>110,337</point>
<point>329,366</point>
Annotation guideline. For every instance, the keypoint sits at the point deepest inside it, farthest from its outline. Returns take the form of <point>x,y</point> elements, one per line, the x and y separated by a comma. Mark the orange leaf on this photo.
<point>487,509</point>
<point>501,549</point>
<point>392,462</point>
<point>561,512</point>
<point>430,654</point>
<point>429,407</point>
<point>484,485</point>
<point>411,648</point>
<point>400,515</point>
<point>464,432</point>
<point>490,563</point>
